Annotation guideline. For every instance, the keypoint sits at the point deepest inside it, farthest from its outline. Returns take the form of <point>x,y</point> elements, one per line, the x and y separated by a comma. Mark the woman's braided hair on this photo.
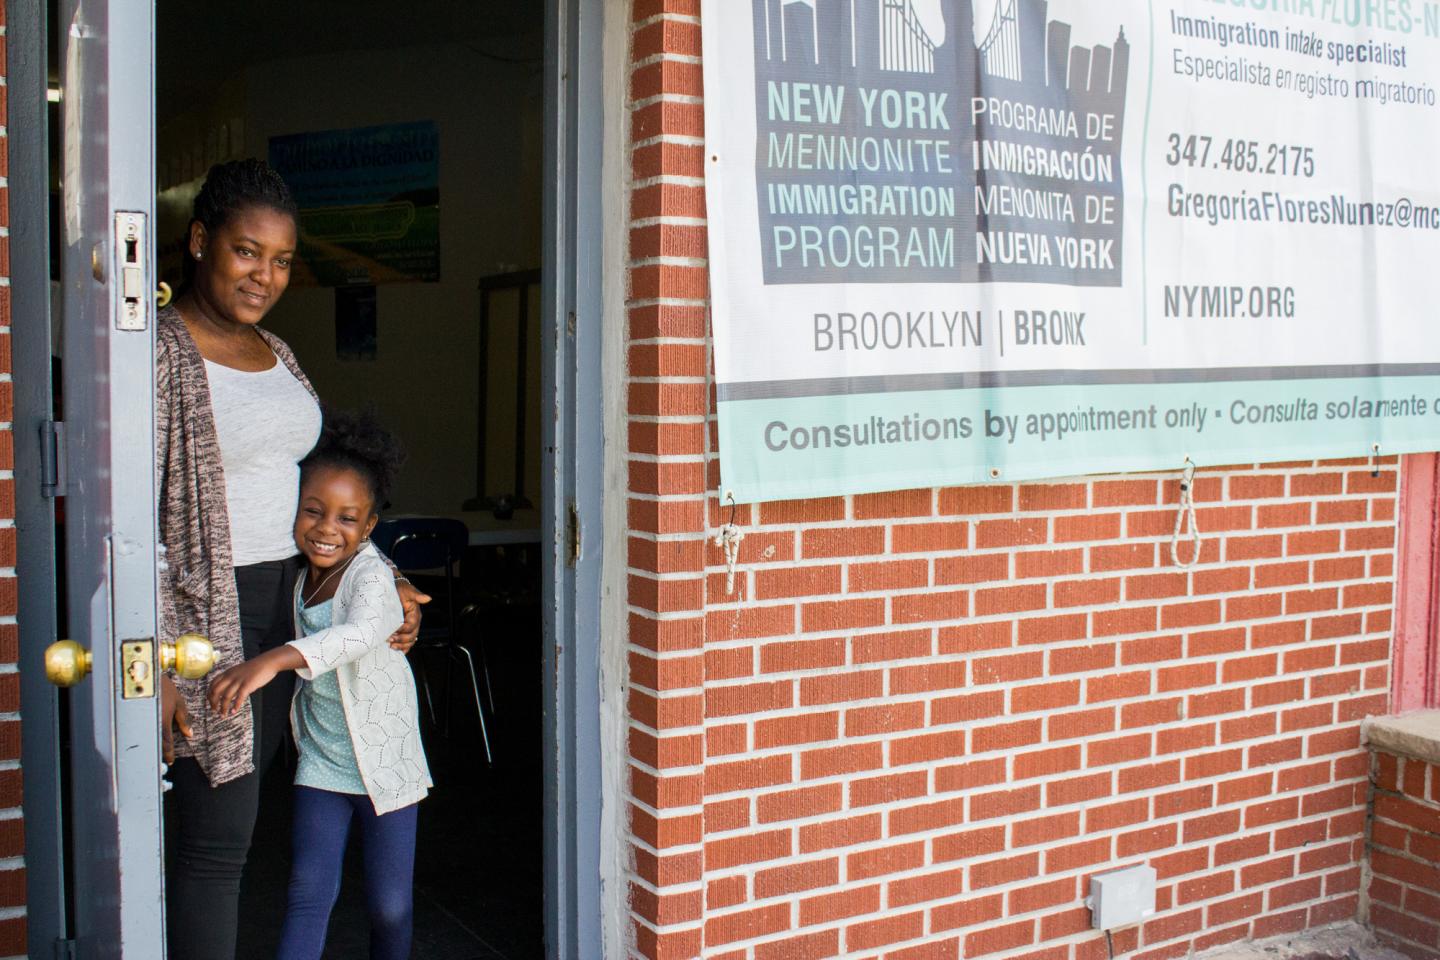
<point>355,440</point>
<point>237,185</point>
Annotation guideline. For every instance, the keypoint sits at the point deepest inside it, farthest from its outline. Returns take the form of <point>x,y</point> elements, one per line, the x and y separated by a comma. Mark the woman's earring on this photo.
<point>199,254</point>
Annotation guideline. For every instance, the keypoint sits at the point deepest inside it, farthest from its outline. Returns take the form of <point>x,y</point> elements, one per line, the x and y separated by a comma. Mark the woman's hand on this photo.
<point>410,599</point>
<point>233,687</point>
<point>173,713</point>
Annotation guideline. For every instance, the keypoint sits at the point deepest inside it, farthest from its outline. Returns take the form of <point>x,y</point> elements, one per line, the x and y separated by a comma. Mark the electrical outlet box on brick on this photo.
<point>1121,898</point>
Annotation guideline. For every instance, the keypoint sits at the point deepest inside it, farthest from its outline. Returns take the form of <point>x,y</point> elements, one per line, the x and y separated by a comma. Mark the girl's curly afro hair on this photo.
<point>355,440</point>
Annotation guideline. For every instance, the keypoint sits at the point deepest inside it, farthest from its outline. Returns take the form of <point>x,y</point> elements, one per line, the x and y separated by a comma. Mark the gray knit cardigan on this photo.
<point>197,577</point>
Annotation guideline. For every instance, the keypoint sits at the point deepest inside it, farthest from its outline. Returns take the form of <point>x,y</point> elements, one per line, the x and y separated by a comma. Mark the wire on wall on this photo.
<point>1186,511</point>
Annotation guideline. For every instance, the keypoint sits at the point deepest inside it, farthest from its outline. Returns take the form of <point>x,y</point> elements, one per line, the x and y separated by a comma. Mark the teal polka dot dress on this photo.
<point>327,755</point>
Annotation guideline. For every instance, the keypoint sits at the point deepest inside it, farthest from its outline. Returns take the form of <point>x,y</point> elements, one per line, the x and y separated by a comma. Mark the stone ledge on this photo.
<point>1342,941</point>
<point>1414,735</point>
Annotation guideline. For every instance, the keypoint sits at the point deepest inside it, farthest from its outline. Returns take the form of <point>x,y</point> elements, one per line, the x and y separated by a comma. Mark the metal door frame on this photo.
<point>572,434</point>
<point>573,451</point>
<point>1415,653</point>
<point>30,344</point>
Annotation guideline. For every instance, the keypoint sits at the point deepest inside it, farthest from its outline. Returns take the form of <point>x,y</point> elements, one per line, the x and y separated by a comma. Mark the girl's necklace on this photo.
<point>304,602</point>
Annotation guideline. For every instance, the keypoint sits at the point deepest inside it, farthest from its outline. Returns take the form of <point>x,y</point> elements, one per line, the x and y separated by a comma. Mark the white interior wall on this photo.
<point>614,636</point>
<point>424,378</point>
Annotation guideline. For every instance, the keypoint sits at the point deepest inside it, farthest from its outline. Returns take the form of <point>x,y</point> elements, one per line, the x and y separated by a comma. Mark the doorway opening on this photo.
<point>412,135</point>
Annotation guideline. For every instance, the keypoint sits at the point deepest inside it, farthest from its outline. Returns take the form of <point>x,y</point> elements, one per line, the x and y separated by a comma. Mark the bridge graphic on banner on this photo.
<point>888,35</point>
<point>1000,52</point>
<point>904,44</point>
<point>1022,44</point>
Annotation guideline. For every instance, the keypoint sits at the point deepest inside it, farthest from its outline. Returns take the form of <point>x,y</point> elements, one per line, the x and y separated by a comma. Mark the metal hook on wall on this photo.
<point>728,540</point>
<point>1374,460</point>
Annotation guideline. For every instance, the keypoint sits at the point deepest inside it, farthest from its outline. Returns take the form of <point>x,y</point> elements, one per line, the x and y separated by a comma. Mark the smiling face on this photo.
<point>243,266</point>
<point>337,513</point>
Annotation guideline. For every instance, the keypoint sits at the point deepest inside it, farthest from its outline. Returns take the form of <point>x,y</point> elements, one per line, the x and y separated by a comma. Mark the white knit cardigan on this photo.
<point>377,689</point>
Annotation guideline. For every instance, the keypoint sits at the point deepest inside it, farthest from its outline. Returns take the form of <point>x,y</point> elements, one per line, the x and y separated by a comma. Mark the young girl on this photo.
<point>355,718</point>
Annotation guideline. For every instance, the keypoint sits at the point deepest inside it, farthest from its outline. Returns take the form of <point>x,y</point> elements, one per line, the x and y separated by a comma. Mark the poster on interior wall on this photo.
<point>369,203</point>
<point>963,240</point>
<point>355,323</point>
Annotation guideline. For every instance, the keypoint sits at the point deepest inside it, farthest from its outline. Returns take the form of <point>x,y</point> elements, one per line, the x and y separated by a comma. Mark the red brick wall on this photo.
<point>1405,855</point>
<point>922,719</point>
<point>12,841</point>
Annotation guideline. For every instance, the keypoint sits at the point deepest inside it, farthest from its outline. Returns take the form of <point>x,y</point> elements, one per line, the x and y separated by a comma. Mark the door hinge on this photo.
<point>64,950</point>
<point>52,459</point>
<point>572,535</point>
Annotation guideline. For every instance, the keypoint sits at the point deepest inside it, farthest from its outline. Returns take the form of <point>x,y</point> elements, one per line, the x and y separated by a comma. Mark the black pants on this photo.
<point>208,828</point>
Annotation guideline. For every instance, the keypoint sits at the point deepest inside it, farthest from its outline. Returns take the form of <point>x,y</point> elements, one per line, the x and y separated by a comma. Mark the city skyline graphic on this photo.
<point>1022,45</point>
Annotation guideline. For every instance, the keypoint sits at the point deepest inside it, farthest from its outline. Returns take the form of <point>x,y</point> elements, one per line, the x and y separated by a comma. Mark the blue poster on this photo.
<point>369,203</point>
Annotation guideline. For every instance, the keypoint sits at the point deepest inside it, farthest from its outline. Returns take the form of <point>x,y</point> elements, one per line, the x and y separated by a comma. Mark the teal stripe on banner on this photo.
<point>802,447</point>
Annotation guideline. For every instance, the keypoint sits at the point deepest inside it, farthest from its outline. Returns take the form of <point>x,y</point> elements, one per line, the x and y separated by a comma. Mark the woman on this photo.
<point>234,417</point>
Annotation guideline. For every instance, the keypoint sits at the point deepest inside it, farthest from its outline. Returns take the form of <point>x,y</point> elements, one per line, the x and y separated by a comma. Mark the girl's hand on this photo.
<point>233,687</point>
<point>410,600</point>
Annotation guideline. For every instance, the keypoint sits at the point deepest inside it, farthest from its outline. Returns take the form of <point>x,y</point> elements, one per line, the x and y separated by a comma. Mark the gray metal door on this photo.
<point>30,345</point>
<point>107,142</point>
<point>572,483</point>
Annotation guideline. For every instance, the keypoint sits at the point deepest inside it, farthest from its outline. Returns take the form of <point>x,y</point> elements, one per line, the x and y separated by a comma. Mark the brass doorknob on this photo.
<point>66,663</point>
<point>190,656</point>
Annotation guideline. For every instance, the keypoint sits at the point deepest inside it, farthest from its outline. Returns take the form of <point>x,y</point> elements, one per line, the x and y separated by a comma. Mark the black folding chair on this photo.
<point>417,545</point>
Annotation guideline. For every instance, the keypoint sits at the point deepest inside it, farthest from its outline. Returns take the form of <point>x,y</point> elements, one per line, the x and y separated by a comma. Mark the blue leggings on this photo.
<point>322,824</point>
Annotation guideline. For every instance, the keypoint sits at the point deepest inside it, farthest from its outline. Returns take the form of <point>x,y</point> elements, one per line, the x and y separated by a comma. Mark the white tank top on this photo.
<point>266,423</point>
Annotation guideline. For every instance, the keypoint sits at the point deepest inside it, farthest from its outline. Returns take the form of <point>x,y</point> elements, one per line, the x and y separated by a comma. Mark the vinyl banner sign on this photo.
<point>964,240</point>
